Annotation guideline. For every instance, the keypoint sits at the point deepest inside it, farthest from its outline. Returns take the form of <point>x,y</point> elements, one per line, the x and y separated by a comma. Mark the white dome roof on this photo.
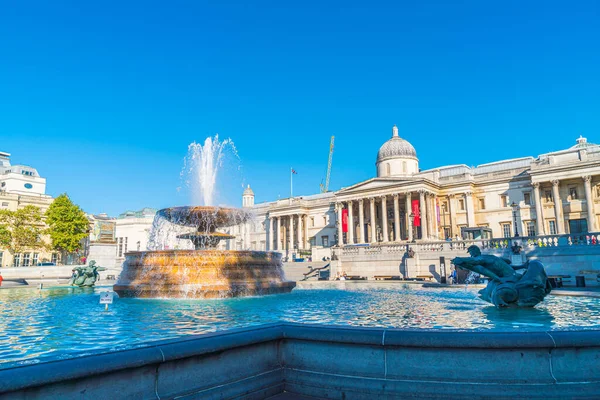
<point>248,192</point>
<point>396,147</point>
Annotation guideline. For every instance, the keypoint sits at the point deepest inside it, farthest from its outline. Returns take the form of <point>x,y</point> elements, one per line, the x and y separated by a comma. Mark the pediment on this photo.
<point>375,184</point>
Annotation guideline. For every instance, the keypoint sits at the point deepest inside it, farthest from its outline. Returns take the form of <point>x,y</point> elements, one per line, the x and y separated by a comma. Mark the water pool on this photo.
<point>58,323</point>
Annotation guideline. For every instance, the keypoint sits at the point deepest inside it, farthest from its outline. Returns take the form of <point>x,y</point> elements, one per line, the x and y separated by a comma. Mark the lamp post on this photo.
<point>515,207</point>
<point>413,228</point>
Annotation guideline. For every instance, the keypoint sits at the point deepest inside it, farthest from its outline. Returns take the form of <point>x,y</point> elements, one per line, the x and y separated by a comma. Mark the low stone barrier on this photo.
<point>327,361</point>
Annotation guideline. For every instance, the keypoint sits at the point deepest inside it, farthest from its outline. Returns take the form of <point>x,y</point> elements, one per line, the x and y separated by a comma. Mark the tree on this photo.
<point>21,229</point>
<point>67,225</point>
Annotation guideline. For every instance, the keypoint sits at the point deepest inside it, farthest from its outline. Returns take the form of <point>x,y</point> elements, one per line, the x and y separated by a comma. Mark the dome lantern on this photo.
<point>397,157</point>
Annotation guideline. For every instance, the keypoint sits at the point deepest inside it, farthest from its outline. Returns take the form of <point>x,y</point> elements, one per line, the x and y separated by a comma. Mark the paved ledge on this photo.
<point>326,361</point>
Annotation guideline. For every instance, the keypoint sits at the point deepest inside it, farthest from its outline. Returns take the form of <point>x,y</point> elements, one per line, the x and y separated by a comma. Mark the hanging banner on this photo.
<point>416,213</point>
<point>345,220</point>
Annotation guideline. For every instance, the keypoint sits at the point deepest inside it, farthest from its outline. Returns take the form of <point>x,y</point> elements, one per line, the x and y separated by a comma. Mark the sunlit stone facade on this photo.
<point>555,193</point>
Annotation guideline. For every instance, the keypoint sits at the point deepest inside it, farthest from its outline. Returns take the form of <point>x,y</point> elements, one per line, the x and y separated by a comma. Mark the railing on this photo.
<point>525,242</point>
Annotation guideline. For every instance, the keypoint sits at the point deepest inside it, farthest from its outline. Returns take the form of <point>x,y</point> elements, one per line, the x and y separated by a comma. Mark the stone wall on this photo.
<point>326,362</point>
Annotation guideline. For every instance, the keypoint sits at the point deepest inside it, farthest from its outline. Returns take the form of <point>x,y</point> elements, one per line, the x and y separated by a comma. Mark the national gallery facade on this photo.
<point>552,194</point>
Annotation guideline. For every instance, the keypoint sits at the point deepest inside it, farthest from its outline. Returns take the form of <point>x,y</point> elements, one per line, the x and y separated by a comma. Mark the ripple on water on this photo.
<point>63,322</point>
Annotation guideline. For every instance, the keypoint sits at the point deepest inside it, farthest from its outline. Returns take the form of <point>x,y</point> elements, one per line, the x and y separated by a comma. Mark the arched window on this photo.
<point>404,166</point>
<point>388,169</point>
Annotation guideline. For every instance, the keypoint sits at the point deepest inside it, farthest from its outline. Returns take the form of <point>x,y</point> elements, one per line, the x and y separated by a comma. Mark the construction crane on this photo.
<point>325,188</point>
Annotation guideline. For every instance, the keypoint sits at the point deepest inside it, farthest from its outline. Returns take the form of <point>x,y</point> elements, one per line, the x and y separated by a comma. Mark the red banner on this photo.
<point>345,220</point>
<point>416,213</point>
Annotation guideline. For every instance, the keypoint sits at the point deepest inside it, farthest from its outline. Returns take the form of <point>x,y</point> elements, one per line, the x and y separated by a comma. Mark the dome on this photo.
<point>396,147</point>
<point>248,191</point>
<point>582,143</point>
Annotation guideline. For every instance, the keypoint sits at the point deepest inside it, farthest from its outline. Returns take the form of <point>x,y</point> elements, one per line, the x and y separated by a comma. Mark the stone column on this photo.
<point>278,234</point>
<point>470,209</point>
<point>384,218</point>
<point>434,217</point>
<point>361,222</point>
<point>339,216</point>
<point>299,232</point>
<point>397,237</point>
<point>558,213</point>
<point>409,220</point>
<point>589,201</point>
<point>452,211</point>
<point>539,216</point>
<point>373,221</point>
<point>306,243</point>
<point>350,224</point>
<point>423,212</point>
<point>271,236</point>
<point>291,231</point>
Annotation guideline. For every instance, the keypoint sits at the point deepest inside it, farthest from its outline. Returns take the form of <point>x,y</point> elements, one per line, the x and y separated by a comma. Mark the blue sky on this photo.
<point>104,97</point>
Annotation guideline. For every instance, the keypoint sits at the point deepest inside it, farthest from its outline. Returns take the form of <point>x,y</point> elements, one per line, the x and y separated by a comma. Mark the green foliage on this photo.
<point>67,224</point>
<point>21,229</point>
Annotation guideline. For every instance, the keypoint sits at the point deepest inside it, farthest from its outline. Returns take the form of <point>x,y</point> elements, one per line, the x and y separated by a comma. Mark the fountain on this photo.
<point>204,271</point>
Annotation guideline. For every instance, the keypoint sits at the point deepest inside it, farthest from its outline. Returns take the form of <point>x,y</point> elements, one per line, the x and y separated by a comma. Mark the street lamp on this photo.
<point>515,207</point>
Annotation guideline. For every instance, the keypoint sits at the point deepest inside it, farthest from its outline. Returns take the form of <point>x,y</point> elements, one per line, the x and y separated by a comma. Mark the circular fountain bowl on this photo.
<point>201,274</point>
<point>203,217</point>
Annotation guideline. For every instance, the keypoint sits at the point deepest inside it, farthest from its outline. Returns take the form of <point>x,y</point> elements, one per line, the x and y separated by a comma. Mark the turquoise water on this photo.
<point>65,322</point>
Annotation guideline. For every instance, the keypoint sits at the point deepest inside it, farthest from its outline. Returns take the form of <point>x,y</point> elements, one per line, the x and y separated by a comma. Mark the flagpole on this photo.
<point>291,175</point>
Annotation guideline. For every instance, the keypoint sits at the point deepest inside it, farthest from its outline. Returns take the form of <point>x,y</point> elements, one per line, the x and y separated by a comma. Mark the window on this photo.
<point>506,230</point>
<point>461,204</point>
<point>312,241</point>
<point>598,191</point>
<point>26,259</point>
<point>530,225</point>
<point>548,196</point>
<point>1,257</point>
<point>36,257</point>
<point>527,198</point>
<point>573,193</point>
<point>138,245</point>
<point>54,258</point>
<point>325,241</point>
<point>312,221</point>
<point>5,204</point>
<point>125,246</point>
<point>120,247</point>
<point>552,227</point>
<point>481,203</point>
<point>17,260</point>
<point>325,220</point>
<point>503,201</point>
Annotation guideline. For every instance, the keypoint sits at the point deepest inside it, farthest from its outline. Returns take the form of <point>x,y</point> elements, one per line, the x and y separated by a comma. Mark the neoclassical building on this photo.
<point>552,194</point>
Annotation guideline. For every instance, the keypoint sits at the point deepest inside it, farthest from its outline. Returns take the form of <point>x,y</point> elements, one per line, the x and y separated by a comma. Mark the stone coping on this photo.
<point>43,373</point>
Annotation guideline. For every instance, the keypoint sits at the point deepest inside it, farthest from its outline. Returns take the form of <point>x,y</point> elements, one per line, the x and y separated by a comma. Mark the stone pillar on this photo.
<point>470,209</point>
<point>270,240</point>
<point>434,218</point>
<point>291,233</point>
<point>361,222</point>
<point>423,212</point>
<point>350,224</point>
<point>539,216</point>
<point>339,216</point>
<point>384,218</point>
<point>558,213</point>
<point>306,242</point>
<point>589,201</point>
<point>409,220</point>
<point>452,211</point>
<point>373,221</point>
<point>299,232</point>
<point>278,234</point>
<point>397,237</point>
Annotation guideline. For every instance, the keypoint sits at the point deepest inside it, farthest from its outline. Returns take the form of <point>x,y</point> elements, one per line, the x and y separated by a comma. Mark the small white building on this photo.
<point>133,231</point>
<point>20,179</point>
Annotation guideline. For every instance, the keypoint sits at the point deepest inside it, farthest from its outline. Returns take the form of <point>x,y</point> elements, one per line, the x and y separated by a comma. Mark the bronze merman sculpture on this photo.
<point>86,276</point>
<point>506,287</point>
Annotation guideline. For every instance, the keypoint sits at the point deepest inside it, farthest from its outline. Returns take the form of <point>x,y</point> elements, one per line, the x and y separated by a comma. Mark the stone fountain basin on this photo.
<point>206,219</point>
